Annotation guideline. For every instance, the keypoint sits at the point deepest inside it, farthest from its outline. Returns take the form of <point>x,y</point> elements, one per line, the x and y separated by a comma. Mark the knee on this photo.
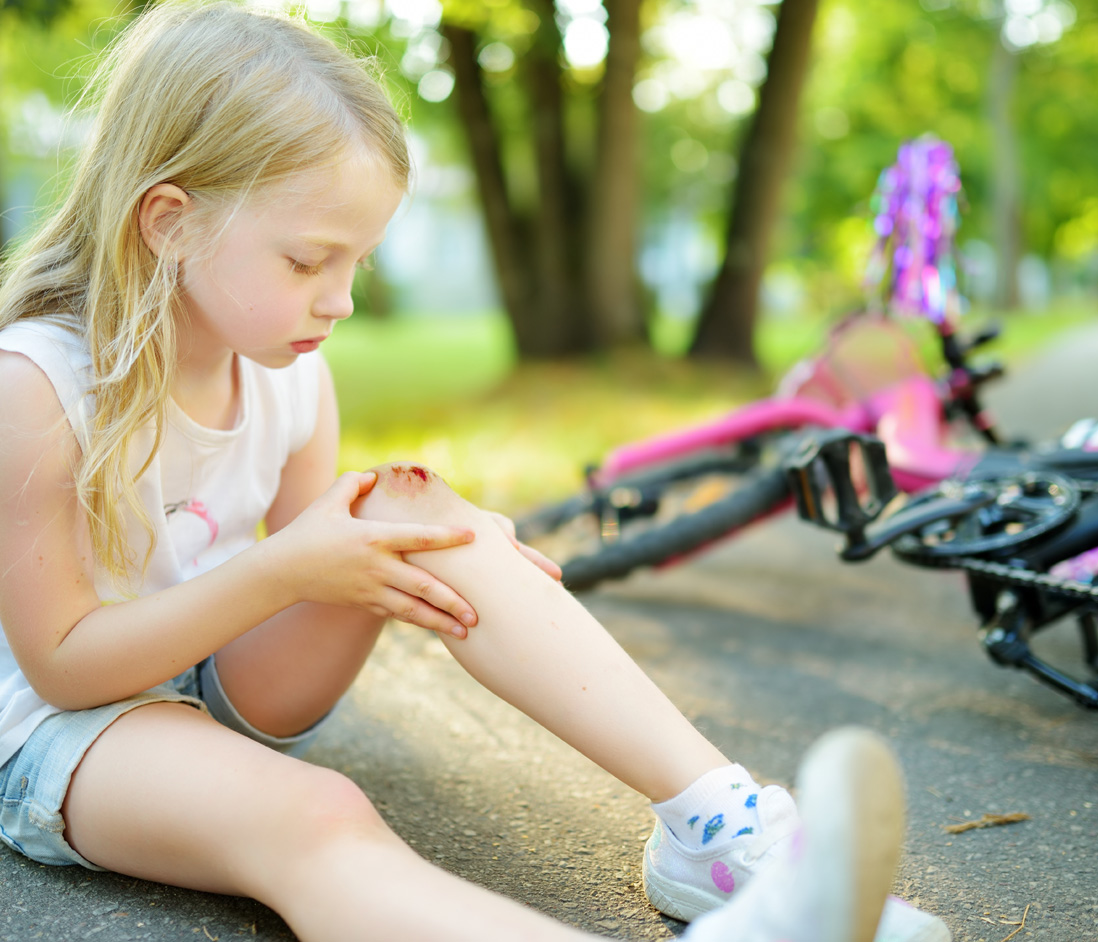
<point>408,479</point>
<point>316,819</point>
<point>328,806</point>
<point>413,492</point>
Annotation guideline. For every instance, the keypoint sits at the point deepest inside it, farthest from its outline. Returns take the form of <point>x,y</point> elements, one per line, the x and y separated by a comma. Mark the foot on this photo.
<point>828,882</point>
<point>685,882</point>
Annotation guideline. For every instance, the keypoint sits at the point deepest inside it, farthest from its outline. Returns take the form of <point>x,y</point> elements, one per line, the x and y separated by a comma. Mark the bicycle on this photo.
<point>1022,526</point>
<point>654,502</point>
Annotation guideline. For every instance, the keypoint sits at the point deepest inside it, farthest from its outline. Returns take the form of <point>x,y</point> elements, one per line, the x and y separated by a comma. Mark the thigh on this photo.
<point>34,781</point>
<point>168,794</point>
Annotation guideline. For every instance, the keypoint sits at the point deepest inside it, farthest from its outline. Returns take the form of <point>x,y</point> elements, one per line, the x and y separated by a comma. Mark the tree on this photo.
<point>563,248</point>
<point>726,325</point>
<point>40,40</point>
<point>887,72</point>
<point>42,12</point>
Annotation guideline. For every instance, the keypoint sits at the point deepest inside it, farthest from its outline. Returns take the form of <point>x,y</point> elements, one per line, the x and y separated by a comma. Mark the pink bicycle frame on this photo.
<point>906,416</point>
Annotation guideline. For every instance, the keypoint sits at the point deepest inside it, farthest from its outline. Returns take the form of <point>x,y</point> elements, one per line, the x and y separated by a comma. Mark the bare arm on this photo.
<point>77,652</point>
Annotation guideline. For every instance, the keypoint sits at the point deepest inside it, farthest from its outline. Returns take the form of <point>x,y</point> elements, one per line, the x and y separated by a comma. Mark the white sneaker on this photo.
<point>830,881</point>
<point>684,883</point>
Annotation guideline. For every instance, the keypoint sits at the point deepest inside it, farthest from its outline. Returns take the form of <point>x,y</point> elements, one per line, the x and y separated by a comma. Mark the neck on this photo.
<point>206,388</point>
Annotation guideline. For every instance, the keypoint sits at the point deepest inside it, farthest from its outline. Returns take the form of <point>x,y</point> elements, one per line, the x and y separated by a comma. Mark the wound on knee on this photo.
<point>406,479</point>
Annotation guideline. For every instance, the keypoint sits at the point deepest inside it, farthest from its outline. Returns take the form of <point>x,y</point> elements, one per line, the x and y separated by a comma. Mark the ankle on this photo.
<point>721,805</point>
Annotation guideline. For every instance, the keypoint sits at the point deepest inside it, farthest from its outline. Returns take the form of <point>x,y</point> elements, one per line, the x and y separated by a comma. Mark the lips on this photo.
<point>306,346</point>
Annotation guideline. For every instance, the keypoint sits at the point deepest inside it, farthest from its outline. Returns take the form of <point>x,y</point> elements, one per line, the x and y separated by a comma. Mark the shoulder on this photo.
<point>34,427</point>
<point>26,390</point>
<point>47,358</point>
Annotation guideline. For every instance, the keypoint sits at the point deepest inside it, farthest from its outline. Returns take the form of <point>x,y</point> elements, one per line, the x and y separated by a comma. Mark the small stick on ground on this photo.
<point>987,821</point>
<point>1021,925</point>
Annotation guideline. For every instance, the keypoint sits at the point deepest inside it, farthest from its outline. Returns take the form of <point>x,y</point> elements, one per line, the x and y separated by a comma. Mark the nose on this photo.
<point>336,302</point>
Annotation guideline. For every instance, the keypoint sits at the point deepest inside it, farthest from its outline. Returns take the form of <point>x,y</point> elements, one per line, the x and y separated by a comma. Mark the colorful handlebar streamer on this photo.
<point>915,219</point>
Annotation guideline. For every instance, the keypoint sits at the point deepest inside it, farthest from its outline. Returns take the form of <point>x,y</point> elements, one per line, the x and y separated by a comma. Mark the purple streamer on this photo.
<point>915,219</point>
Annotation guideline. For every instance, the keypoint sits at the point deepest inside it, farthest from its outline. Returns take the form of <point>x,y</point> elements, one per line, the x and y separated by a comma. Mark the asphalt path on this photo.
<point>765,642</point>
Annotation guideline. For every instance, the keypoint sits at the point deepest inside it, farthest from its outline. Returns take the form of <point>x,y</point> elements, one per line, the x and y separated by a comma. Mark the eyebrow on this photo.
<point>320,243</point>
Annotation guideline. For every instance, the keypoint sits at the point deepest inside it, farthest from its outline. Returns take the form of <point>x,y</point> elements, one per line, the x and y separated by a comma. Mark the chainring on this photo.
<point>1006,514</point>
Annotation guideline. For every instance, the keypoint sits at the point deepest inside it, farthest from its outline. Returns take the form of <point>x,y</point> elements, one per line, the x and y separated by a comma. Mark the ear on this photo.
<point>159,214</point>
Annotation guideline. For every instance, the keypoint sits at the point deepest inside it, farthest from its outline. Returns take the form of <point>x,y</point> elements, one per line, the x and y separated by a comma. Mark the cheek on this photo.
<point>220,288</point>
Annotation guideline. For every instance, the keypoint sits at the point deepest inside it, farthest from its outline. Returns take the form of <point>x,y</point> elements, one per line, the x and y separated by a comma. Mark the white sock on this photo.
<point>719,806</point>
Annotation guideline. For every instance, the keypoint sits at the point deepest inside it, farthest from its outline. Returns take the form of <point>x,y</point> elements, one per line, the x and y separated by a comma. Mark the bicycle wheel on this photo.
<point>659,514</point>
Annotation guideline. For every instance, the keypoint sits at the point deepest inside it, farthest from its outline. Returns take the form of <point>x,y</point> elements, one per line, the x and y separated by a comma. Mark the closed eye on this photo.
<point>301,268</point>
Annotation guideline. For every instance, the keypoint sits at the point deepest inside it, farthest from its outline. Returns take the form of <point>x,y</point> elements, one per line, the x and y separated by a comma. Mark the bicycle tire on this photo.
<point>551,517</point>
<point>760,486</point>
<point>761,492</point>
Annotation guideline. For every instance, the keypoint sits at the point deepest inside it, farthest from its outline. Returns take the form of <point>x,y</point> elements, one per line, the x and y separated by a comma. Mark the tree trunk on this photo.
<point>1005,185</point>
<point>562,313</point>
<point>566,266</point>
<point>505,232</point>
<point>727,322</point>
<point>610,274</point>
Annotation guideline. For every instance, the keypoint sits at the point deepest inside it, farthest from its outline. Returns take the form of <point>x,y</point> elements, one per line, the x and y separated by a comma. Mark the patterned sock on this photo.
<point>719,806</point>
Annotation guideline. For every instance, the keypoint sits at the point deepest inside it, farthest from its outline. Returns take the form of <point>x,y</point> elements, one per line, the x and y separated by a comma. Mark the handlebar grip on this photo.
<point>985,336</point>
<point>977,375</point>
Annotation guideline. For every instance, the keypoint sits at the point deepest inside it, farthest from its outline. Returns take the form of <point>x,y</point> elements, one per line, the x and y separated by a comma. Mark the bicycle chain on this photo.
<point>1019,576</point>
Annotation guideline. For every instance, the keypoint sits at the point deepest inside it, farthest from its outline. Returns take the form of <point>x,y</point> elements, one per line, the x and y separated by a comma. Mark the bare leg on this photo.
<point>539,649</point>
<point>167,794</point>
<point>284,675</point>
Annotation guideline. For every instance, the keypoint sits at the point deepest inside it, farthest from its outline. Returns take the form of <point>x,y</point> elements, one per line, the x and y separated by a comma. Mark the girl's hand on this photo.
<point>340,559</point>
<point>507,525</point>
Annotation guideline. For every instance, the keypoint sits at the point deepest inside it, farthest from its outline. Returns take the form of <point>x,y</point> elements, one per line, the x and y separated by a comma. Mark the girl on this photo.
<point>161,669</point>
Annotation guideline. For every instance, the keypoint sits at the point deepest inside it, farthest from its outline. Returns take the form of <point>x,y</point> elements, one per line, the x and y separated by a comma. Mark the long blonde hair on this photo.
<point>218,100</point>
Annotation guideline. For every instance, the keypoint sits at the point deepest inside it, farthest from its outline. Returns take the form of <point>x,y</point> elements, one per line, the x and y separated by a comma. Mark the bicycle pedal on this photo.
<point>827,463</point>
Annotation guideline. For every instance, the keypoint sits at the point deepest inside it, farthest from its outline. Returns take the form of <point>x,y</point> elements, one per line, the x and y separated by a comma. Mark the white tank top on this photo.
<point>206,491</point>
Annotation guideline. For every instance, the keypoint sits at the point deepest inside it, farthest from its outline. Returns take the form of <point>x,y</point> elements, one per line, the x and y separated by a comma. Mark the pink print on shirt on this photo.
<point>197,508</point>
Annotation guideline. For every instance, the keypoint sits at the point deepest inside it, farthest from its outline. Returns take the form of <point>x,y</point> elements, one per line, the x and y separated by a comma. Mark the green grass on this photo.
<point>450,393</point>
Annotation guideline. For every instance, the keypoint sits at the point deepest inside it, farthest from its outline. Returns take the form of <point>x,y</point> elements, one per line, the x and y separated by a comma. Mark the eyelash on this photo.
<point>302,269</point>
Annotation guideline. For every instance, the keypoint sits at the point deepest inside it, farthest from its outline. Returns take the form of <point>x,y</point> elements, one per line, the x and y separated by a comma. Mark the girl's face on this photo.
<point>280,272</point>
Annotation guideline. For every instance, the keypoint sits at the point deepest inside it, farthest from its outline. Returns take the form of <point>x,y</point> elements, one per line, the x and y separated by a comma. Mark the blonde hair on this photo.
<point>220,101</point>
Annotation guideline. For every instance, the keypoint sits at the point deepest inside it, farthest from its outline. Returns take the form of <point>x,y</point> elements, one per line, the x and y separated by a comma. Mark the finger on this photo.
<point>410,537</point>
<point>351,485</point>
<point>540,560</point>
<point>366,482</point>
<point>418,583</point>
<point>506,524</point>
<point>414,611</point>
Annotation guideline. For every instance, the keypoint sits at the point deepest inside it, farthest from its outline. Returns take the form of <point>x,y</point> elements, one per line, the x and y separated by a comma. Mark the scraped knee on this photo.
<point>409,491</point>
<point>407,479</point>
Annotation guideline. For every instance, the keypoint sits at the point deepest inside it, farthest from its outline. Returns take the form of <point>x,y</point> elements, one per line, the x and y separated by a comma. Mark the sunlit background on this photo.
<point>975,72</point>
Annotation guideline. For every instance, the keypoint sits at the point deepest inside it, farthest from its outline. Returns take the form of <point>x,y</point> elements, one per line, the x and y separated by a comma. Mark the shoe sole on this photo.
<point>677,900</point>
<point>868,822</point>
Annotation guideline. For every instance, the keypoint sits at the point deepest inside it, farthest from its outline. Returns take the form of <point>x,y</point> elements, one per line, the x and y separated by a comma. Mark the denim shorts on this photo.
<point>34,781</point>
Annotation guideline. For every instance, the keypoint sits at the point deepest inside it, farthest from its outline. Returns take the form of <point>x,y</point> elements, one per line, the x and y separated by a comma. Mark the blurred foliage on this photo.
<point>883,71</point>
<point>890,71</point>
<point>511,435</point>
<point>42,12</point>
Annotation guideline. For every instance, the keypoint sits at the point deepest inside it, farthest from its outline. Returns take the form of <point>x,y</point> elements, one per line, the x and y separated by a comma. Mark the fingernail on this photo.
<point>458,631</point>
<point>469,618</point>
